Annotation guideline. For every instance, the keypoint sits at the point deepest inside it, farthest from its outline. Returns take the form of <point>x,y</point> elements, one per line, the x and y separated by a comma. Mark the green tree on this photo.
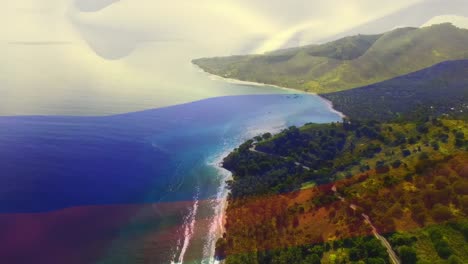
<point>356,254</point>
<point>407,255</point>
<point>401,239</point>
<point>312,259</point>
<point>376,261</point>
<point>267,136</point>
<point>318,250</point>
<point>454,260</point>
<point>374,249</point>
<point>290,255</point>
<point>443,249</point>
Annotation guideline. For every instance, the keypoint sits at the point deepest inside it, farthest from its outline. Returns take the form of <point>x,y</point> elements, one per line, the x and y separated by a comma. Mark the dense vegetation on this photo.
<point>350,249</point>
<point>438,90</point>
<point>444,243</point>
<point>396,166</point>
<point>404,176</point>
<point>347,63</point>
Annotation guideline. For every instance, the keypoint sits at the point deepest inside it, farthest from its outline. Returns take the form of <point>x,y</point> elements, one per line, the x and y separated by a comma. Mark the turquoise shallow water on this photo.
<point>152,171</point>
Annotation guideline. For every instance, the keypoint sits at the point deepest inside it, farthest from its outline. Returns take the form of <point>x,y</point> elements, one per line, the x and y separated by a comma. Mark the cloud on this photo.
<point>338,17</point>
<point>411,16</point>
<point>225,23</point>
<point>112,56</point>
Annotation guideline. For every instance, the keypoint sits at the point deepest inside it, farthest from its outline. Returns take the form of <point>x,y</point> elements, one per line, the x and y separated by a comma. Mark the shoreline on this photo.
<point>331,107</point>
<point>215,77</point>
<point>227,175</point>
<point>217,227</point>
<point>221,208</point>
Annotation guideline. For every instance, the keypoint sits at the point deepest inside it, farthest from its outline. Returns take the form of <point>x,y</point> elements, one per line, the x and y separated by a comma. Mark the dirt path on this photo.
<point>391,253</point>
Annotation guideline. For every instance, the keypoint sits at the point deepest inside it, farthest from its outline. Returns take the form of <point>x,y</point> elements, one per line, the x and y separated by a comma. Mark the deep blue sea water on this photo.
<point>156,156</point>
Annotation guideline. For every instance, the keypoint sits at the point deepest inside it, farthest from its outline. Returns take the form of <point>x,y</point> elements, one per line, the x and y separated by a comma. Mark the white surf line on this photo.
<point>220,203</point>
<point>330,106</point>
<point>215,77</point>
<point>216,229</point>
<point>189,228</point>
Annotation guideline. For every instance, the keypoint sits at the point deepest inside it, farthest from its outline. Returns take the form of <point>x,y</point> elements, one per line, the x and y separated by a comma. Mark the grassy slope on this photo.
<point>347,63</point>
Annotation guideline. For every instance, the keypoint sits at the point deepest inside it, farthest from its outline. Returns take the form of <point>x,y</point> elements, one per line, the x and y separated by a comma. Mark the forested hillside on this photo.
<point>298,197</point>
<point>435,91</point>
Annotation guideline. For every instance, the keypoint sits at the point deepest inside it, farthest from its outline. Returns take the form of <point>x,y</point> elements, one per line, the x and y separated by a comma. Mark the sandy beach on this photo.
<point>220,203</point>
<point>235,81</point>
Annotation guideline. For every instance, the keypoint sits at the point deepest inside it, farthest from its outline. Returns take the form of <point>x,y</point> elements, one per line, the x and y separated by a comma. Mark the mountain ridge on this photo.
<point>342,66</point>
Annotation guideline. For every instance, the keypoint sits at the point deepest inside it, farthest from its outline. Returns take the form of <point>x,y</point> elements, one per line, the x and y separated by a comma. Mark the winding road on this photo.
<point>391,253</point>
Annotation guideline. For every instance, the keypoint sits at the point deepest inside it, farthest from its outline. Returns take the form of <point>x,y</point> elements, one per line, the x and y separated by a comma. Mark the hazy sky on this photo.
<point>58,53</point>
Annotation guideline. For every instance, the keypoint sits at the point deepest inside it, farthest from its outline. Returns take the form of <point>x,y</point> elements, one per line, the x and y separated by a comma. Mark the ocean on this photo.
<point>141,187</point>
